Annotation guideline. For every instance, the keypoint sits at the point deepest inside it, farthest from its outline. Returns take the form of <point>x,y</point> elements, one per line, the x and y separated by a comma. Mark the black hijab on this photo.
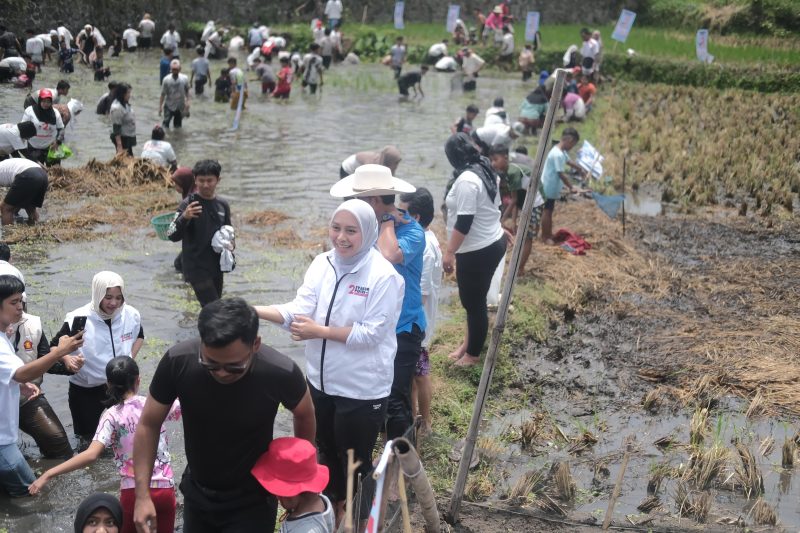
<point>464,155</point>
<point>44,115</point>
<point>93,503</point>
<point>537,96</point>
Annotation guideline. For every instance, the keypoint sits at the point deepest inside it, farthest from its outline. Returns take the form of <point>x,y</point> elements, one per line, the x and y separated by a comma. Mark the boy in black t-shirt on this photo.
<point>464,125</point>
<point>222,87</point>
<point>200,215</point>
<point>412,80</point>
<point>230,387</point>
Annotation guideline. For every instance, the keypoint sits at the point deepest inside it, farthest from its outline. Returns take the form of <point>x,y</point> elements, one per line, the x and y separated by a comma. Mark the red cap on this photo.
<point>45,93</point>
<point>290,467</point>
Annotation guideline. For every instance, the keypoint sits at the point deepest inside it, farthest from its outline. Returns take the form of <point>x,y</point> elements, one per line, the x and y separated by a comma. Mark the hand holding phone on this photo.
<point>78,325</point>
<point>193,209</point>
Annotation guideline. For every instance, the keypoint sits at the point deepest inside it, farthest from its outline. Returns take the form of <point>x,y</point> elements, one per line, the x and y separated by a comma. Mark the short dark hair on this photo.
<point>314,46</point>
<point>571,132</point>
<point>498,150</point>
<point>498,102</point>
<point>327,31</point>
<point>62,84</point>
<point>585,31</point>
<point>112,85</point>
<point>472,108</point>
<point>387,199</point>
<point>521,150</point>
<point>231,60</point>
<point>5,252</point>
<point>171,26</point>
<point>200,51</point>
<point>9,286</point>
<point>158,133</point>
<point>284,61</point>
<point>424,68</point>
<point>224,321</point>
<point>420,203</point>
<point>207,167</point>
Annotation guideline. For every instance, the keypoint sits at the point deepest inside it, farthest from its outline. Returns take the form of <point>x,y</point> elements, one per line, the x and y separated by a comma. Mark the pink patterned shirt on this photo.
<point>116,429</point>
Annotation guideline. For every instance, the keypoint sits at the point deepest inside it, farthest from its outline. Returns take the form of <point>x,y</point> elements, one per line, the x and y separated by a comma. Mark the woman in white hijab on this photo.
<point>113,328</point>
<point>346,311</point>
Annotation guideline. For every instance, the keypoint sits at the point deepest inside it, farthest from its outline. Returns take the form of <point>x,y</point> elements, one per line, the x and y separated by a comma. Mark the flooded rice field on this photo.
<point>577,396</point>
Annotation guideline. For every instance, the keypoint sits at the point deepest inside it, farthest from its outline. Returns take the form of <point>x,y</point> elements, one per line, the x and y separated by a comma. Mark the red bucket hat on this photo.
<point>45,93</point>
<point>290,467</point>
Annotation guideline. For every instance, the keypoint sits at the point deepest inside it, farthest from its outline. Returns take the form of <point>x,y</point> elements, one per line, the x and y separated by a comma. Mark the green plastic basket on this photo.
<point>161,224</point>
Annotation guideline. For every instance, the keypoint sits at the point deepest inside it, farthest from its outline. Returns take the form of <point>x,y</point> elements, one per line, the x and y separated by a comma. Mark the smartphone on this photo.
<point>194,197</point>
<point>78,324</point>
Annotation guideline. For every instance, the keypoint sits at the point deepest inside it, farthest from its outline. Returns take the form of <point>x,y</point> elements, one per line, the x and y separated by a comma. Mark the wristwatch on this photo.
<point>386,217</point>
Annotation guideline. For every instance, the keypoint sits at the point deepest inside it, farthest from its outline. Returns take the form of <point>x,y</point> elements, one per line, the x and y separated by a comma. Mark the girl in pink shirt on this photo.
<point>116,429</point>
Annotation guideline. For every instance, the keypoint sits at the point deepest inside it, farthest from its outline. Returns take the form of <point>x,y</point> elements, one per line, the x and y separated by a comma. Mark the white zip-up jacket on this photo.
<point>368,298</point>
<point>30,333</point>
<point>101,343</point>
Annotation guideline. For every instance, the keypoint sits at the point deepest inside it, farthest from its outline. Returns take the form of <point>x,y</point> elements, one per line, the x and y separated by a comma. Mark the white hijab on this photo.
<point>368,222</point>
<point>101,282</point>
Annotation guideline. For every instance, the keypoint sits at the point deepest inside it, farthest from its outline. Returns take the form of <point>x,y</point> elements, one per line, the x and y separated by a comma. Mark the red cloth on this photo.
<point>164,502</point>
<point>571,241</point>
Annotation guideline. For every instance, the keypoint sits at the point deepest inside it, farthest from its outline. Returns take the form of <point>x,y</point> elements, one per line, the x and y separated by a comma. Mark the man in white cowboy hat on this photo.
<point>402,242</point>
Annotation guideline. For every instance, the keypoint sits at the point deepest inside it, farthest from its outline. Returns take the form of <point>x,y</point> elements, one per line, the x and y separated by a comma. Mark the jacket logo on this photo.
<point>127,336</point>
<point>28,345</point>
<point>358,290</point>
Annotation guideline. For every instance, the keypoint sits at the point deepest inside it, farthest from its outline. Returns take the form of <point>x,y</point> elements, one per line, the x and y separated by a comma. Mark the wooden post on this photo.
<point>502,309</point>
<point>351,470</point>
<point>624,174</point>
<point>401,489</point>
<point>615,494</point>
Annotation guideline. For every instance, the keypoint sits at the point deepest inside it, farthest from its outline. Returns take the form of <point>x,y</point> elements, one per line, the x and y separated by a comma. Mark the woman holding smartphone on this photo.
<point>111,328</point>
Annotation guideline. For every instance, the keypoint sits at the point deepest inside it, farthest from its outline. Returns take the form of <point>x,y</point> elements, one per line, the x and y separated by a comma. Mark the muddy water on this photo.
<point>284,156</point>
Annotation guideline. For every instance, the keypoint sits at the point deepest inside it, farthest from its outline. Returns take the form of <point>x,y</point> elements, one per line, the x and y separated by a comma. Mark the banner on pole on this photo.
<point>379,475</point>
<point>624,25</point>
<point>453,11</point>
<point>532,25</point>
<point>399,7</point>
<point>701,47</point>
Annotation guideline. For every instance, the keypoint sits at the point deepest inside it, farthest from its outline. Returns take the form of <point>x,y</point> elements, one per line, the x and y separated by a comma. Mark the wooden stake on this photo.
<point>502,309</point>
<point>624,174</point>
<point>401,488</point>
<point>348,503</point>
<point>614,495</point>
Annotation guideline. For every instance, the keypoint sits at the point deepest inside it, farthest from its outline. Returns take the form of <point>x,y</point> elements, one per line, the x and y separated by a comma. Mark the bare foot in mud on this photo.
<point>459,352</point>
<point>467,360</point>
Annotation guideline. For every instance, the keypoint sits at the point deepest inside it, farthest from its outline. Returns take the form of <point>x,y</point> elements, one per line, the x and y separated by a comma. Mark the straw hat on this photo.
<point>290,467</point>
<point>370,180</point>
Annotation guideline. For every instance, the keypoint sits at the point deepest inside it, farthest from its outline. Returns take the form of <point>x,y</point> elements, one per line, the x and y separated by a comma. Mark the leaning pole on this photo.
<point>502,310</point>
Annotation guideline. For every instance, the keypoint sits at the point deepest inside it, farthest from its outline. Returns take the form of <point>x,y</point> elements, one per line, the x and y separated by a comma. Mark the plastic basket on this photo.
<point>161,224</point>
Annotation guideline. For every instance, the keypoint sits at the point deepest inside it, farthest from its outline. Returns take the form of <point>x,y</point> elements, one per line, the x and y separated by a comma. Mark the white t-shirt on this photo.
<point>46,133</point>
<point>14,63</point>
<point>312,68</point>
<point>470,65</point>
<point>35,48</point>
<point>446,63</point>
<point>171,40</point>
<point>431,282</point>
<point>350,164</point>
<point>495,135</point>
<point>11,167</point>
<point>333,9</point>
<point>493,116</point>
<point>130,35</point>
<point>66,34</point>
<point>10,140</point>
<point>508,45</point>
<point>590,48</point>
<point>148,27</point>
<point>438,49</point>
<point>160,152</point>
<point>469,197</point>
<point>9,393</point>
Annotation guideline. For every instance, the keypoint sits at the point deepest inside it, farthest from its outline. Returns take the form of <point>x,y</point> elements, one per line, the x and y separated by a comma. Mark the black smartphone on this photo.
<point>78,324</point>
<point>194,197</point>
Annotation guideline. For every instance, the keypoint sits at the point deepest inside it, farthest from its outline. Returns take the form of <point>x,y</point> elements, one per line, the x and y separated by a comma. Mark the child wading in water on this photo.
<point>289,470</point>
<point>116,429</point>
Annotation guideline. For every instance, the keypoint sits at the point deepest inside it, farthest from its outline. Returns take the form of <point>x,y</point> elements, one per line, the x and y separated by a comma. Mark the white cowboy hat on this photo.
<point>370,180</point>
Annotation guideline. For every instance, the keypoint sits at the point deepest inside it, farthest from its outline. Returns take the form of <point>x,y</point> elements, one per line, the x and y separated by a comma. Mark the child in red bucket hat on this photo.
<point>289,470</point>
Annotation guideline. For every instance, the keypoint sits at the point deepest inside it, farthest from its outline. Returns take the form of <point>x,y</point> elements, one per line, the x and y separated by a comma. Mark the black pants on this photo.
<point>326,62</point>
<point>397,70</point>
<point>127,143</point>
<point>526,75</point>
<point>342,424</point>
<point>36,154</point>
<point>170,114</point>
<point>248,509</point>
<point>207,290</point>
<point>37,419</point>
<point>86,406</point>
<point>474,271</point>
<point>409,346</point>
<point>200,84</point>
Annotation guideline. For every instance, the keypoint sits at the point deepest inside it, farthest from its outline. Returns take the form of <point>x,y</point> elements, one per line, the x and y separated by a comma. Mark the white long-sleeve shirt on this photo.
<point>369,299</point>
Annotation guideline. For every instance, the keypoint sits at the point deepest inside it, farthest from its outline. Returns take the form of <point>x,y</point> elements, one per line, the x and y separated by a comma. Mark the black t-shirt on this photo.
<point>200,261</point>
<point>226,428</point>
<point>410,78</point>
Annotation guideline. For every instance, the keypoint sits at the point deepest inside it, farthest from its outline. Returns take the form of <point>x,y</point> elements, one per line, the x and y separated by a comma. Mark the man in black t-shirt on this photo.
<point>412,80</point>
<point>229,386</point>
<point>200,215</point>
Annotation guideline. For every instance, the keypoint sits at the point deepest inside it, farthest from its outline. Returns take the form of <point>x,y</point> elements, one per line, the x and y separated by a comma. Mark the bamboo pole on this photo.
<point>624,174</point>
<point>615,494</point>
<point>502,310</point>
<point>351,469</point>
<point>401,489</point>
